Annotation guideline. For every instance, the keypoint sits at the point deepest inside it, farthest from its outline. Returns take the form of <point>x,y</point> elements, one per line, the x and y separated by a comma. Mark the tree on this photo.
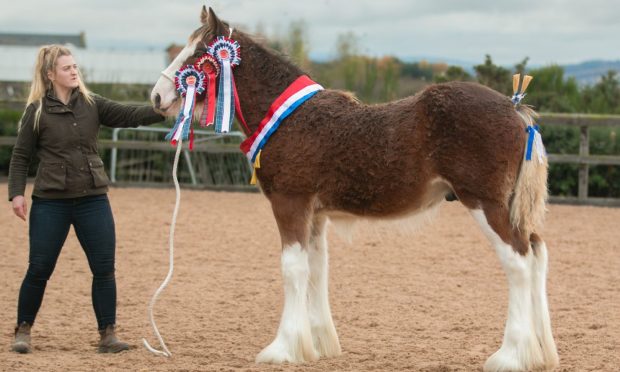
<point>493,76</point>
<point>417,70</point>
<point>297,44</point>
<point>349,62</point>
<point>520,67</point>
<point>347,45</point>
<point>390,73</point>
<point>453,73</point>
<point>551,92</point>
<point>604,96</point>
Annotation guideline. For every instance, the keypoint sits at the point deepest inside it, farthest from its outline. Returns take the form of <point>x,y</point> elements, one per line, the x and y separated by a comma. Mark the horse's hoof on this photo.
<point>505,360</point>
<point>326,341</point>
<point>500,361</point>
<point>279,352</point>
<point>275,353</point>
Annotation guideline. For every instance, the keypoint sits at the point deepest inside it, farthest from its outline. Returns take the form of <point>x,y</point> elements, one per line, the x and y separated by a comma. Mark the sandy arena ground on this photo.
<point>430,300</point>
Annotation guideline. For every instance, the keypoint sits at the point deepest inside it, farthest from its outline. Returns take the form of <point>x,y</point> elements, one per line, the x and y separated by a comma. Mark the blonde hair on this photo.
<point>46,61</point>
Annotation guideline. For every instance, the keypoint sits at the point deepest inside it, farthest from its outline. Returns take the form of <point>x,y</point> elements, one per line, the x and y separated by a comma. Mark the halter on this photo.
<point>164,74</point>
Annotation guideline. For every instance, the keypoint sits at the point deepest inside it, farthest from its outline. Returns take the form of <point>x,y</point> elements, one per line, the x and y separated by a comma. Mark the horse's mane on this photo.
<point>251,44</point>
<point>278,60</point>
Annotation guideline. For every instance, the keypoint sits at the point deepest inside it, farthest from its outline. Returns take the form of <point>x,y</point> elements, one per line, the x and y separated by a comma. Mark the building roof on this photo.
<point>42,39</point>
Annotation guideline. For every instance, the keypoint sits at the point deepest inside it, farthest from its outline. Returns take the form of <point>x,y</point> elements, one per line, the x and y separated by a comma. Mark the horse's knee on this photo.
<point>518,270</point>
<point>295,265</point>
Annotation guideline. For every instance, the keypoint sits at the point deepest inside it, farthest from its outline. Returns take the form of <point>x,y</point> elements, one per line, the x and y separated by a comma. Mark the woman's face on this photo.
<point>65,73</point>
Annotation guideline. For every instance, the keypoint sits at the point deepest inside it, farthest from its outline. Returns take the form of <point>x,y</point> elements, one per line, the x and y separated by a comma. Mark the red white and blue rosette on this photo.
<point>189,82</point>
<point>225,49</point>
<point>227,52</point>
<point>182,81</point>
<point>210,67</point>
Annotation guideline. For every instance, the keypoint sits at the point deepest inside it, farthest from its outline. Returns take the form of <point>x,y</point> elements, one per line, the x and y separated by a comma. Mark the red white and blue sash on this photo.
<point>297,93</point>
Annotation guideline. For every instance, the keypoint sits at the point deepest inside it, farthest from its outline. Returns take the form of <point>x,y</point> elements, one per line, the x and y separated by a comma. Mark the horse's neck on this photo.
<point>261,78</point>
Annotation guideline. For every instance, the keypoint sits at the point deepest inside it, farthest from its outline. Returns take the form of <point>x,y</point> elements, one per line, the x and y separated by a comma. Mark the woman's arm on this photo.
<point>23,151</point>
<point>117,115</point>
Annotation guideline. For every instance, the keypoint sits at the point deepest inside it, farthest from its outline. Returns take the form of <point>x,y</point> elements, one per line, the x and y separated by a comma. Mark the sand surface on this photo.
<point>430,300</point>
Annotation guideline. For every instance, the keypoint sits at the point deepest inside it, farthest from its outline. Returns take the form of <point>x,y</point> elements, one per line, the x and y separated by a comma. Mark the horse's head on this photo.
<point>164,95</point>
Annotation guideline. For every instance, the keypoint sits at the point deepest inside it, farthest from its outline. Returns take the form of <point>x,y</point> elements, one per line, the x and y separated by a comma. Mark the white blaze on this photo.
<point>165,85</point>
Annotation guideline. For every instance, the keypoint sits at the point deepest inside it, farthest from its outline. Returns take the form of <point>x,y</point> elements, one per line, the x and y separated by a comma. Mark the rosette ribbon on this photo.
<point>227,53</point>
<point>189,82</point>
<point>211,69</point>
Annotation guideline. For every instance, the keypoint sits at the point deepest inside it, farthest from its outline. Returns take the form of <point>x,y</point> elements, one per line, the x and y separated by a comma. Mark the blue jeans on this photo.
<point>50,220</point>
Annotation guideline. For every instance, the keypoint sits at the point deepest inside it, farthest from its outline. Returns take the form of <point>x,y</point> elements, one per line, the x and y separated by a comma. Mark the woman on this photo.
<point>60,126</point>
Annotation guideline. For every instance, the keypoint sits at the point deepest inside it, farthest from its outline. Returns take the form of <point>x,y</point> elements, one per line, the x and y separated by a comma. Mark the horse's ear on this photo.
<point>203,15</point>
<point>214,24</point>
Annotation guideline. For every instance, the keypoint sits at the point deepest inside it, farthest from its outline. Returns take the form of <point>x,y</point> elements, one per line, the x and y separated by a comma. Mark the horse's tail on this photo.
<point>528,207</point>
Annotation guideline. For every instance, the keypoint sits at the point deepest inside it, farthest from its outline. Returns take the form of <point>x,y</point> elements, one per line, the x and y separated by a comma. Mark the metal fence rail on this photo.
<point>142,156</point>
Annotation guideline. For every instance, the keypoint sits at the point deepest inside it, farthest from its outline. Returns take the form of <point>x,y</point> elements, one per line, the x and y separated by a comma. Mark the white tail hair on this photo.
<point>528,208</point>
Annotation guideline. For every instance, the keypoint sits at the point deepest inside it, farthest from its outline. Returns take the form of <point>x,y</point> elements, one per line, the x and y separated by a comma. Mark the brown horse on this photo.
<point>336,159</point>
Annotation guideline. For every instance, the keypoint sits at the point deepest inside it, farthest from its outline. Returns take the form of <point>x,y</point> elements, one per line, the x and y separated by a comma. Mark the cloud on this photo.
<point>551,30</point>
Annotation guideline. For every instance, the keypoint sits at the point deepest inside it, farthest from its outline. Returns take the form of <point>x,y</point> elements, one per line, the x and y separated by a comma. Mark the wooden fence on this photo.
<point>583,159</point>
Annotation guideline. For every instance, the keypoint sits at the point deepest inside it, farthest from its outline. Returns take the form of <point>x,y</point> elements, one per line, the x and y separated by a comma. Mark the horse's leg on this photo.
<point>520,350</point>
<point>323,331</point>
<point>293,342</point>
<point>542,321</point>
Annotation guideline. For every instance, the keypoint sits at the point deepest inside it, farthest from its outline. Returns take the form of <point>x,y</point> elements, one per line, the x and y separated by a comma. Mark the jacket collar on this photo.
<point>53,101</point>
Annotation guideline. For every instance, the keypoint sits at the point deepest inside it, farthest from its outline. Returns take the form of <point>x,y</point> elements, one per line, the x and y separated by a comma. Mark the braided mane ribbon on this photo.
<point>519,85</point>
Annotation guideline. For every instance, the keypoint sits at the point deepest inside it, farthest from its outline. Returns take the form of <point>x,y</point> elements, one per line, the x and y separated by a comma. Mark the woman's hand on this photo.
<point>19,207</point>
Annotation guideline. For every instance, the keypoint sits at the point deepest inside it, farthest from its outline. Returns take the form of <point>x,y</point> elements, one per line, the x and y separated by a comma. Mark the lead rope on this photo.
<point>195,85</point>
<point>163,285</point>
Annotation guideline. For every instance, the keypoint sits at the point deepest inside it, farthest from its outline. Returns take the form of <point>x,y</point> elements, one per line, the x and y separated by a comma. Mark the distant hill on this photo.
<point>586,73</point>
<point>589,72</point>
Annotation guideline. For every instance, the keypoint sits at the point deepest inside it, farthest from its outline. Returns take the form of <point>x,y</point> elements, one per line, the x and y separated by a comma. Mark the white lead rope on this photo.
<point>163,285</point>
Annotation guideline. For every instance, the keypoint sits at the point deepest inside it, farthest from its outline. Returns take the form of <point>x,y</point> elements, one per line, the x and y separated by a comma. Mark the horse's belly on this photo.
<point>388,200</point>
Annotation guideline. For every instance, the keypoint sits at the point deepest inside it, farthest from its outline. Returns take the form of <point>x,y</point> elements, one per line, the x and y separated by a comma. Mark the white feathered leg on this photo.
<point>324,333</point>
<point>542,320</point>
<point>520,350</point>
<point>293,342</point>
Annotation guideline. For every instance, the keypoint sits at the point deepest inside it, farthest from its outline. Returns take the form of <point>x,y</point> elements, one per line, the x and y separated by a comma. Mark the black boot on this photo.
<point>22,339</point>
<point>109,343</point>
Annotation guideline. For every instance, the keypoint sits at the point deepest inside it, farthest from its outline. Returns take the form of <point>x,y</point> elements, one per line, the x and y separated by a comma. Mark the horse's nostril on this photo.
<point>157,100</point>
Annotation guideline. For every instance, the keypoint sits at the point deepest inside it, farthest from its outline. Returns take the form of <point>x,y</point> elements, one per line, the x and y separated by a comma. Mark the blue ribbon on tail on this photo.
<point>531,130</point>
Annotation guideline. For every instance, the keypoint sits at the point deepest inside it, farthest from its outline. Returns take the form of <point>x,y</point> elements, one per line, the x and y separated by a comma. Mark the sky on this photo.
<point>546,31</point>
